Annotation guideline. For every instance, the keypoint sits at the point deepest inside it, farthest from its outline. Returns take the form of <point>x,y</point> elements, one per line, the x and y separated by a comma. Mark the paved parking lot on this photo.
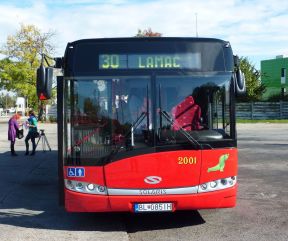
<point>29,208</point>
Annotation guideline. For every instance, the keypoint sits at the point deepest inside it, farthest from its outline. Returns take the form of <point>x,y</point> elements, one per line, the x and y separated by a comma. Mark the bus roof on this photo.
<point>147,39</point>
<point>199,54</point>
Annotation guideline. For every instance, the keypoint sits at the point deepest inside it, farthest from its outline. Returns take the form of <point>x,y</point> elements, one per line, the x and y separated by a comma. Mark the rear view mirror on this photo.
<point>239,78</point>
<point>240,83</point>
<point>44,82</point>
<point>236,61</point>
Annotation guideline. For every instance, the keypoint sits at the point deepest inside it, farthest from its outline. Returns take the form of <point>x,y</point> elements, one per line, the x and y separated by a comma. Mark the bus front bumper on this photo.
<point>79,202</point>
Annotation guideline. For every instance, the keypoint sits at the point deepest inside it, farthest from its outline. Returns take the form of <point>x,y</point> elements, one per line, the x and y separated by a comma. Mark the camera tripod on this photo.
<point>44,141</point>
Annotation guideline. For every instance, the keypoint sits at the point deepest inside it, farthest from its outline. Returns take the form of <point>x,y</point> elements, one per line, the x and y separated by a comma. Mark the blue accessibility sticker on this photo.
<point>75,172</point>
<point>136,207</point>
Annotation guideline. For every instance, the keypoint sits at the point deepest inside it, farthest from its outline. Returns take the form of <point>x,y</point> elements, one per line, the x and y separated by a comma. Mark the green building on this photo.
<point>274,76</point>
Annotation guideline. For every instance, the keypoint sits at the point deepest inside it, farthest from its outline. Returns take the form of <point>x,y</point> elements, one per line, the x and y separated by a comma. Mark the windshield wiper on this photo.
<point>134,125</point>
<point>182,131</point>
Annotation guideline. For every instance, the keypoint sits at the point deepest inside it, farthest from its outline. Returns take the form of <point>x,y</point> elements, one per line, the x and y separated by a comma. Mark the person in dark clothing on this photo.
<point>32,133</point>
<point>13,126</point>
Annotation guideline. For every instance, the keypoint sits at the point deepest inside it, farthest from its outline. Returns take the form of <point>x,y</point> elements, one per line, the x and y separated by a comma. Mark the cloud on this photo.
<point>254,28</point>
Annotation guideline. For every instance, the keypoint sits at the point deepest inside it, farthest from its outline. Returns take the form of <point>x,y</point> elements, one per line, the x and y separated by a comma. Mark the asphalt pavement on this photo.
<point>29,207</point>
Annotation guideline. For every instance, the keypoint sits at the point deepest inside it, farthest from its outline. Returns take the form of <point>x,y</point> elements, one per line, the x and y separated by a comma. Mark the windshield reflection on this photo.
<point>111,115</point>
<point>198,106</point>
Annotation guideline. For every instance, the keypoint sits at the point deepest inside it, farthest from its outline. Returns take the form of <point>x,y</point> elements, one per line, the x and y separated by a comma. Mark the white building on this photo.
<point>20,105</point>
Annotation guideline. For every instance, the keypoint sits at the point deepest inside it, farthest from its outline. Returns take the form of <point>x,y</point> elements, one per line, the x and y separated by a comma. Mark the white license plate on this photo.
<point>153,207</point>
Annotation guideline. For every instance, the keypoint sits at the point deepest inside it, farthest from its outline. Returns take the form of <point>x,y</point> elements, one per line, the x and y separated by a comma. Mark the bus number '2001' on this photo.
<point>186,160</point>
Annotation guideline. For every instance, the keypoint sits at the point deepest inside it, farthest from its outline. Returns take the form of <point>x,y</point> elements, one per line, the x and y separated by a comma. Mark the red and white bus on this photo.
<point>147,124</point>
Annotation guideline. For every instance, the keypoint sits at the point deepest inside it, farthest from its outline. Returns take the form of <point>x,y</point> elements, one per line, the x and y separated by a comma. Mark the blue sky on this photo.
<point>257,29</point>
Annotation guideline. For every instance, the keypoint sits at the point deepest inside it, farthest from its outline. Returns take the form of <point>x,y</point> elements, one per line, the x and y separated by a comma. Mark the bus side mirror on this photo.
<point>44,82</point>
<point>236,61</point>
<point>239,78</point>
<point>240,83</point>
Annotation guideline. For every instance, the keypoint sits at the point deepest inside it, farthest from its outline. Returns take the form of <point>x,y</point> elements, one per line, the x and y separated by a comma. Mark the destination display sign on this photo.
<point>150,61</point>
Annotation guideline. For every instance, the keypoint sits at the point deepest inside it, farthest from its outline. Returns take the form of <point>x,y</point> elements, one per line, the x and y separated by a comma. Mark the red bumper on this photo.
<point>78,202</point>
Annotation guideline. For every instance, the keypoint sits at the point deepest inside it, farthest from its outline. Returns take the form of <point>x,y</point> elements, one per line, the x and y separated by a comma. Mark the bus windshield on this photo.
<point>122,114</point>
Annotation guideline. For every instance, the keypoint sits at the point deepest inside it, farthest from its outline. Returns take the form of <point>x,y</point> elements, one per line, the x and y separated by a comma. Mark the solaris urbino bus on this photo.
<point>146,124</point>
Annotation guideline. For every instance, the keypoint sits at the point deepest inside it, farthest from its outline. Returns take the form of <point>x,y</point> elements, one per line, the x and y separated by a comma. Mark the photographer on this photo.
<point>32,133</point>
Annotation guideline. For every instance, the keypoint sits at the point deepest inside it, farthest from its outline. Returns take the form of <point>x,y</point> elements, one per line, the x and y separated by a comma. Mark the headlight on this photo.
<point>224,182</point>
<point>213,184</point>
<point>84,187</point>
<point>216,185</point>
<point>203,186</point>
<point>69,185</point>
<point>101,188</point>
<point>79,186</point>
<point>90,187</point>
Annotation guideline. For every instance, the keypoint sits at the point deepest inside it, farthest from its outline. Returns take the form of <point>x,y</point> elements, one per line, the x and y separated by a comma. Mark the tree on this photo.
<point>23,55</point>
<point>7,101</point>
<point>255,88</point>
<point>147,33</point>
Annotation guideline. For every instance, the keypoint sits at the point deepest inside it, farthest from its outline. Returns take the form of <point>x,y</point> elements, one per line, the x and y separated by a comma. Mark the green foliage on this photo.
<point>277,97</point>
<point>255,88</point>
<point>23,55</point>
<point>7,101</point>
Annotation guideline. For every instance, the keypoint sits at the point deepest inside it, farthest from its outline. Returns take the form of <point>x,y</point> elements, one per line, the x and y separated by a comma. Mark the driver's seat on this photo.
<point>187,115</point>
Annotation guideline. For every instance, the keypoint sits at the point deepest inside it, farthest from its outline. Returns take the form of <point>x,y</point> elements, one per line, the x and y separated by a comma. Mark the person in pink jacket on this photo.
<point>13,126</point>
